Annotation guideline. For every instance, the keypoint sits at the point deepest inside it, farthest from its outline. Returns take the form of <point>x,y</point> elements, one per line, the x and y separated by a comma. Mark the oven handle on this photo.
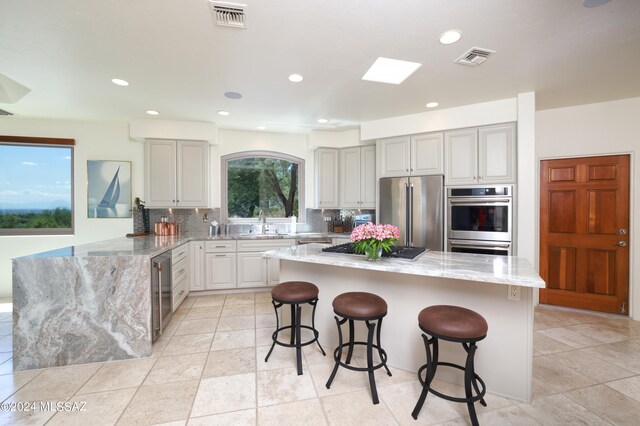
<point>483,244</point>
<point>481,202</point>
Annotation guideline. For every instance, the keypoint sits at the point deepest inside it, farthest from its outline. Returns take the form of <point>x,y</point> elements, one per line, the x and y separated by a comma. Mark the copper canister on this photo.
<point>161,228</point>
<point>172,228</point>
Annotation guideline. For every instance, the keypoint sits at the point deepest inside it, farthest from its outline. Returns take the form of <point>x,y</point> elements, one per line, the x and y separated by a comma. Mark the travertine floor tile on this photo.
<point>119,375</point>
<point>159,346</point>
<point>313,355</point>
<point>355,409</point>
<point>240,299</point>
<point>598,332</point>
<point>171,328</point>
<point>189,344</point>
<point>244,322</point>
<point>608,403</point>
<point>188,301</point>
<point>265,308</point>
<point>629,387</point>
<point>557,377</point>
<point>623,354</point>
<point>509,416</point>
<point>263,296</point>
<point>570,337</point>
<point>234,418</point>
<point>263,336</point>
<point>10,383</point>
<point>590,366</point>
<point>281,357</point>
<point>6,344</point>
<point>544,345</point>
<point>307,412</point>
<point>493,402</point>
<point>161,403</point>
<point>558,410</point>
<point>230,362</point>
<point>234,340</point>
<point>197,326</point>
<point>36,415</point>
<point>203,312</point>
<point>266,320</point>
<point>102,408</point>
<point>280,386</point>
<point>177,368</point>
<point>237,310</point>
<point>401,400</point>
<point>224,394</point>
<point>213,300</point>
<point>345,380</point>
<point>7,366</point>
<point>56,383</point>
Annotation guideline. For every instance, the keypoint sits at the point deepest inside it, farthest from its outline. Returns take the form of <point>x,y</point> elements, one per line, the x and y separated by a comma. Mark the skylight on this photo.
<point>391,71</point>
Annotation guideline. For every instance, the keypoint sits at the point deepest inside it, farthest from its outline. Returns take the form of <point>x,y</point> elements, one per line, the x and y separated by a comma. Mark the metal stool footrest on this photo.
<point>274,336</point>
<point>480,394</point>
<point>382,352</point>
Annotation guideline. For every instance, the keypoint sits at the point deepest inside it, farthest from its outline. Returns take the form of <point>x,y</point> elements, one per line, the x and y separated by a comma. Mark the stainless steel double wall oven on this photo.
<point>480,220</point>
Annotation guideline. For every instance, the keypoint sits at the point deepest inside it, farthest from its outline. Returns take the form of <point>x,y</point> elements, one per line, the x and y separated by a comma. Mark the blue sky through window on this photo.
<point>34,177</point>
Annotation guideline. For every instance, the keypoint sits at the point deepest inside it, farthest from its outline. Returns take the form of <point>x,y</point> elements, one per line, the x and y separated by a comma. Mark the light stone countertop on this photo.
<point>461,266</point>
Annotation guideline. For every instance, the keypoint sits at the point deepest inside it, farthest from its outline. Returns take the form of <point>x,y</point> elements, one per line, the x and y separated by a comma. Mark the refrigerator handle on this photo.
<point>410,217</point>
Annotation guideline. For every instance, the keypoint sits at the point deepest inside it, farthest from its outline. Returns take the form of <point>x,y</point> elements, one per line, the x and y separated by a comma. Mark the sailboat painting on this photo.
<point>108,189</point>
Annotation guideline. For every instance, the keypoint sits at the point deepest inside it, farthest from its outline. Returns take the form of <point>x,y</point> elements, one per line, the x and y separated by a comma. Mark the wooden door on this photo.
<point>584,233</point>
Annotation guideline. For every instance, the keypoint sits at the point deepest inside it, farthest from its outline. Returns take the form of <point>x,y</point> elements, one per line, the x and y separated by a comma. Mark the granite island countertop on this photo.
<point>508,270</point>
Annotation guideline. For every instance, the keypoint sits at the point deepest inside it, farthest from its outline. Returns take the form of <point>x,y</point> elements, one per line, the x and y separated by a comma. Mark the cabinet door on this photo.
<point>160,173</point>
<point>326,178</point>
<point>350,178</point>
<point>461,157</point>
<point>368,177</point>
<point>497,154</point>
<point>427,154</point>
<point>273,271</point>
<point>197,259</point>
<point>220,271</point>
<point>394,156</point>
<point>252,270</point>
<point>192,174</point>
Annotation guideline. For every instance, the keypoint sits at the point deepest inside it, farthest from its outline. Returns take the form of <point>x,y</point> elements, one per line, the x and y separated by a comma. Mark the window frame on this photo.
<point>52,143</point>
<point>224,162</point>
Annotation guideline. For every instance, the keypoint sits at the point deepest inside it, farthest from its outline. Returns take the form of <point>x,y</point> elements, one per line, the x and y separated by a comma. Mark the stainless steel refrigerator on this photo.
<point>415,204</point>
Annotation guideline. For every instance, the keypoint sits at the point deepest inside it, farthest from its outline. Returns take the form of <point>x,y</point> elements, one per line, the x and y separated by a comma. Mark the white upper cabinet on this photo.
<point>411,155</point>
<point>483,155</point>
<point>358,177</point>
<point>326,162</point>
<point>176,173</point>
<point>497,154</point>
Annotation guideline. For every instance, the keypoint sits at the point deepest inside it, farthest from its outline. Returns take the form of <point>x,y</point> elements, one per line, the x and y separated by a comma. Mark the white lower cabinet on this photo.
<point>197,258</point>
<point>220,271</point>
<point>253,269</point>
<point>179,275</point>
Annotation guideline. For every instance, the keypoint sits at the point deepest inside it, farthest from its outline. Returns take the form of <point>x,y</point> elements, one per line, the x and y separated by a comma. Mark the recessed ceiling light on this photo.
<point>296,78</point>
<point>223,112</point>
<point>261,128</point>
<point>120,82</point>
<point>594,3</point>
<point>152,112</point>
<point>450,37</point>
<point>392,71</point>
<point>322,120</point>
<point>233,95</point>
<point>432,104</point>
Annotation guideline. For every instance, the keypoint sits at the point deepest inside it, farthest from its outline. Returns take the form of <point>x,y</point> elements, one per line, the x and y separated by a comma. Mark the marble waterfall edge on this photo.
<point>71,310</point>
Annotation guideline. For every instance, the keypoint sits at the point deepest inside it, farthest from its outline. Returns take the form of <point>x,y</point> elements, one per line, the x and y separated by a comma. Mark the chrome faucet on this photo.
<point>262,217</point>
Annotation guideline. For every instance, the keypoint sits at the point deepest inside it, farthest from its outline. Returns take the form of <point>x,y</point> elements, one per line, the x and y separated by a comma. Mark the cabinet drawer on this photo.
<point>179,253</point>
<point>264,245</point>
<point>220,246</point>
<point>179,271</point>
<point>178,294</point>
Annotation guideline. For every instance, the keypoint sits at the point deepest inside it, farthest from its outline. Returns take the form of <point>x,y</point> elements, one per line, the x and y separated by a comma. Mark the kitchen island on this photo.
<point>478,282</point>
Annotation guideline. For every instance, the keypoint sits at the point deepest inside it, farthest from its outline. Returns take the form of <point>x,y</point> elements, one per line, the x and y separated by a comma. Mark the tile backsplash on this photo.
<point>195,221</point>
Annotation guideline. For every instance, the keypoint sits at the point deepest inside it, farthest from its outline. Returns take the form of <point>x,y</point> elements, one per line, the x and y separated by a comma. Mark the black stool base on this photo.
<point>295,327</point>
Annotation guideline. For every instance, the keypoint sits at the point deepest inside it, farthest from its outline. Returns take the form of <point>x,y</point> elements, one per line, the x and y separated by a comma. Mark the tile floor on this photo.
<point>208,369</point>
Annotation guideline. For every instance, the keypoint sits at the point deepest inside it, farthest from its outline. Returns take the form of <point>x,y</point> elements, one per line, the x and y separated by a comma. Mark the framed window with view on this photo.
<point>36,186</point>
<point>266,181</point>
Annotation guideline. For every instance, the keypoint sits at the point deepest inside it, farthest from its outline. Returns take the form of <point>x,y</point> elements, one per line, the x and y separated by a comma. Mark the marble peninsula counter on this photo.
<point>480,282</point>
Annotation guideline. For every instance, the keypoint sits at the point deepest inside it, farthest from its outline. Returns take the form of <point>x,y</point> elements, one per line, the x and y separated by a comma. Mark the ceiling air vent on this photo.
<point>474,56</point>
<point>3,112</point>
<point>229,14</point>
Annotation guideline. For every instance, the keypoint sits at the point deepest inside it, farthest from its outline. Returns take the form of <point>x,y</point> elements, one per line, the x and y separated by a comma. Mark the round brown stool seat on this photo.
<point>454,324</point>
<point>294,294</point>
<point>359,305</point>
<point>367,307</point>
<point>294,291</point>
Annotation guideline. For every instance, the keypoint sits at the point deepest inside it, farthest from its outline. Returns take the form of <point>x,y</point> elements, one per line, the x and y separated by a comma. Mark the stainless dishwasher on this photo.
<point>160,294</point>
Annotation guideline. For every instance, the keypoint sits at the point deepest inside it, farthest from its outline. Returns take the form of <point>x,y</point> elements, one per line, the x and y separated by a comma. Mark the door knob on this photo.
<point>621,243</point>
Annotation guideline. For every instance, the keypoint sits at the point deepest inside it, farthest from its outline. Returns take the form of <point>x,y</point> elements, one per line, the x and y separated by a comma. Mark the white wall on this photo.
<point>598,129</point>
<point>94,141</point>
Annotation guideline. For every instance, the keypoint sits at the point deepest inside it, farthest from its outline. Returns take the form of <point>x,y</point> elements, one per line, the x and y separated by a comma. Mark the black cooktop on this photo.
<point>402,252</point>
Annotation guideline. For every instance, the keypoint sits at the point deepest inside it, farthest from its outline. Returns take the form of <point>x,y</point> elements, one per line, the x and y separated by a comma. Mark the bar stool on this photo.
<point>453,324</point>
<point>367,307</point>
<point>295,293</point>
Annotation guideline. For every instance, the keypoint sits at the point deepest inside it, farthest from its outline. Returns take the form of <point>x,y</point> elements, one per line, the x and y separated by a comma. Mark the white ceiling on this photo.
<point>180,62</point>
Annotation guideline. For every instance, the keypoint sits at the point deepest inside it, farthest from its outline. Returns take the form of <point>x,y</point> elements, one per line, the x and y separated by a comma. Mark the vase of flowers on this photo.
<point>371,240</point>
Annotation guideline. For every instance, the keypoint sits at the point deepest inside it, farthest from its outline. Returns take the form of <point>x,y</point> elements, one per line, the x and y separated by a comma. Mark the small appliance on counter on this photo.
<point>164,227</point>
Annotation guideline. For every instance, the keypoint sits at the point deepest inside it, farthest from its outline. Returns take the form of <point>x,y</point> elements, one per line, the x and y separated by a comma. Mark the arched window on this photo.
<point>254,181</point>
